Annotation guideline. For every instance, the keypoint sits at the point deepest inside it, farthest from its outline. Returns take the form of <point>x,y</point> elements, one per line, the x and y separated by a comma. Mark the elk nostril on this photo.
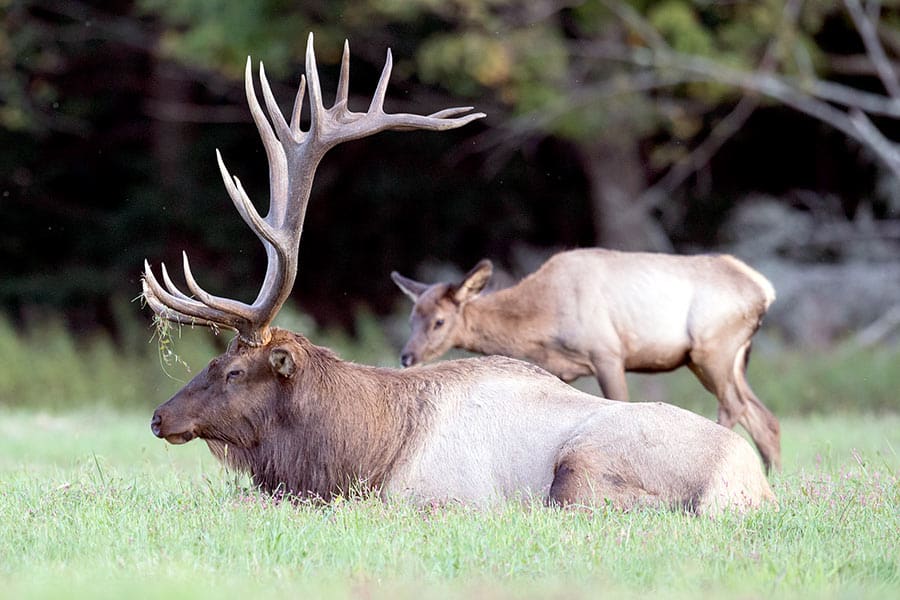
<point>407,359</point>
<point>154,425</point>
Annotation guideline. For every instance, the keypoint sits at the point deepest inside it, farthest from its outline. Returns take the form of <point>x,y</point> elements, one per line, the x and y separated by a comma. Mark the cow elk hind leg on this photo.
<point>757,418</point>
<point>723,373</point>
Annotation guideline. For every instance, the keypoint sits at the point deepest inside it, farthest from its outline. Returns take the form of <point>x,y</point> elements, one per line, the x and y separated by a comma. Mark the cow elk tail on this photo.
<point>293,156</point>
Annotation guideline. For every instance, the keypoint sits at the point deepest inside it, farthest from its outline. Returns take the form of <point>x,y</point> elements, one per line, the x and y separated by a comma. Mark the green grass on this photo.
<point>92,505</point>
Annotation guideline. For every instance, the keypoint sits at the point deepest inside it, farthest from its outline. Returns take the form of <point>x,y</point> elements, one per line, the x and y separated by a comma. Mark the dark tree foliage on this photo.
<point>111,112</point>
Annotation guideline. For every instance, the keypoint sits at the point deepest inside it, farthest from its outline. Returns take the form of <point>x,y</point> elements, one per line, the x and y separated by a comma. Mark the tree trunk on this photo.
<point>170,139</point>
<point>615,177</point>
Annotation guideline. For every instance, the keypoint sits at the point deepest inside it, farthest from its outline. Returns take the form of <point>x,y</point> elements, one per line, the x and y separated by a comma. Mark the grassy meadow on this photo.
<point>92,505</point>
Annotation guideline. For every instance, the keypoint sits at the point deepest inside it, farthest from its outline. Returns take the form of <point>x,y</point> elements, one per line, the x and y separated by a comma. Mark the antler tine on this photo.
<point>161,309</point>
<point>409,122</point>
<point>316,108</point>
<point>377,104</point>
<point>349,125</point>
<point>154,289</point>
<point>281,127</point>
<point>170,286</point>
<point>178,308</point>
<point>343,88</point>
<point>169,314</point>
<point>223,305</point>
<point>278,168</point>
<point>244,207</point>
<point>298,109</point>
<point>449,112</point>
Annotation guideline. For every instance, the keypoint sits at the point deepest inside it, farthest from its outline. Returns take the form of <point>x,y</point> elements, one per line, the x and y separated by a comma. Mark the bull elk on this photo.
<point>602,312</point>
<point>300,420</point>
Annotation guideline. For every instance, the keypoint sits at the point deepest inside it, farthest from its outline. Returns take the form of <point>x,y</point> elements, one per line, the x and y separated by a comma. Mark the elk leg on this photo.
<point>737,403</point>
<point>764,429</point>
<point>610,374</point>
<point>585,477</point>
<point>757,419</point>
<point>719,383</point>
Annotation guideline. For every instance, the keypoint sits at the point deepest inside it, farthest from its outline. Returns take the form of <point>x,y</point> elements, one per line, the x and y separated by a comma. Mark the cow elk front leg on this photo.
<point>610,372</point>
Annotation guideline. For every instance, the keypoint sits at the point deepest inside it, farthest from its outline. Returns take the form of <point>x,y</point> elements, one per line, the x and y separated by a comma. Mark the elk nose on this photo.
<point>407,359</point>
<point>154,425</point>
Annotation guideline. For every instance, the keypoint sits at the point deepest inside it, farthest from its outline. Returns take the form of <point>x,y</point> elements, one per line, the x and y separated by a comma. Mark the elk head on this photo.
<point>232,398</point>
<point>237,396</point>
<point>437,315</point>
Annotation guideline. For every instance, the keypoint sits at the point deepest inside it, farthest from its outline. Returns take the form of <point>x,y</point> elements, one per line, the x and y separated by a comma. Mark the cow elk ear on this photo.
<point>474,281</point>
<point>412,288</point>
<point>282,362</point>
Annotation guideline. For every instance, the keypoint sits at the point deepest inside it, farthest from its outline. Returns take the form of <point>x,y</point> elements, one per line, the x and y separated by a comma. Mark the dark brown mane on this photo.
<point>337,424</point>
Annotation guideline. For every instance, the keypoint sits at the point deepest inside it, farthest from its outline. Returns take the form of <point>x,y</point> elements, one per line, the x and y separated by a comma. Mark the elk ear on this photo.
<point>474,281</point>
<point>411,288</point>
<point>282,362</point>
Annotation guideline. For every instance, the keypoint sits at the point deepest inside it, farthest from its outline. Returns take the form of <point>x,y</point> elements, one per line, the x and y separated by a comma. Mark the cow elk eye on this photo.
<point>232,375</point>
<point>438,323</point>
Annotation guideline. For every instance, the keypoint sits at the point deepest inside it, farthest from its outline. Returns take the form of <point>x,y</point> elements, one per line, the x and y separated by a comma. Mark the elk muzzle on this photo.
<point>163,429</point>
<point>408,359</point>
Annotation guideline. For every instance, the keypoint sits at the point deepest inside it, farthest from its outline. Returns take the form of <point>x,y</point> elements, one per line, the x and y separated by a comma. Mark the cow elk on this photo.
<point>302,421</point>
<point>602,312</point>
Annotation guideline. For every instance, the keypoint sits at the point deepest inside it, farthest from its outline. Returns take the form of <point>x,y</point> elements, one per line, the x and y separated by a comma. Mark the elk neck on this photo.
<point>507,322</point>
<point>342,427</point>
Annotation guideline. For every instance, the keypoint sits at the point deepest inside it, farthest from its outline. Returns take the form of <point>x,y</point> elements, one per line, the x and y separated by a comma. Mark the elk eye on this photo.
<point>232,375</point>
<point>438,323</point>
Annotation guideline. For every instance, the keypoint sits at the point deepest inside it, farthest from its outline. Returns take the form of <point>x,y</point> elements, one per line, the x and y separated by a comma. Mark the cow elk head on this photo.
<point>437,315</point>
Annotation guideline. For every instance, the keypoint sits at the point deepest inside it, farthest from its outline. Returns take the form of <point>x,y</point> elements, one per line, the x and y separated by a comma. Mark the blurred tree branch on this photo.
<point>812,96</point>
<point>703,153</point>
<point>863,20</point>
<point>881,329</point>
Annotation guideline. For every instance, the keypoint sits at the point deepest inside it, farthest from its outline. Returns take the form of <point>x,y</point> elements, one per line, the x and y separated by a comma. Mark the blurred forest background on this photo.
<point>761,128</point>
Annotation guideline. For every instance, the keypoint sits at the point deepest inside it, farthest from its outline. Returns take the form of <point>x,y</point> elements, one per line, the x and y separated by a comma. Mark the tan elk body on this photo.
<point>479,431</point>
<point>601,312</point>
<point>300,420</point>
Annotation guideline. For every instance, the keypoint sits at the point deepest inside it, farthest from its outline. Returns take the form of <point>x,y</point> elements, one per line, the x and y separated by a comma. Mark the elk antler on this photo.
<point>293,157</point>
